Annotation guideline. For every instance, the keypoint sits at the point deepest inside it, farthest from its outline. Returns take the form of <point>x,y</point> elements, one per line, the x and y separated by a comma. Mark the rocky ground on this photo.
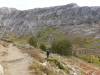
<point>14,62</point>
<point>18,61</point>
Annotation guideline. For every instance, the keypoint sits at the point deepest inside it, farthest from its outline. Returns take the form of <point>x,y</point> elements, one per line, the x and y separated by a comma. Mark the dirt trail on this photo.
<point>14,61</point>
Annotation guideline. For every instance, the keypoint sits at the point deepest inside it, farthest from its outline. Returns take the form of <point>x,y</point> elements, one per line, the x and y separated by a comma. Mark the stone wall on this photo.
<point>87,52</point>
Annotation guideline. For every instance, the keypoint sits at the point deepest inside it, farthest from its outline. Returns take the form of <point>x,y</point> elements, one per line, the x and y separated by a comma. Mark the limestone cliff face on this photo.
<point>70,18</point>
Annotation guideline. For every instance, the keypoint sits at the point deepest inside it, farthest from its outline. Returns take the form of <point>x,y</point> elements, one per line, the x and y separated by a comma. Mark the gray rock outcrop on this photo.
<point>70,18</point>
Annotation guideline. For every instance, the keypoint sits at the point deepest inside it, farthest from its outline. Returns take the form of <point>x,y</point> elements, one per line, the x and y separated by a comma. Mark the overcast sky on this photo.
<point>30,4</point>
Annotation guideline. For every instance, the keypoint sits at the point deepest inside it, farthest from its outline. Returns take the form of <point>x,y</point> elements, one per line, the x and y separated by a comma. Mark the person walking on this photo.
<point>48,53</point>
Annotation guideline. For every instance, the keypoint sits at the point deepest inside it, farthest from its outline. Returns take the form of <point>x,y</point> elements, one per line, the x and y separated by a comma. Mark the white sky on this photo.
<point>30,4</point>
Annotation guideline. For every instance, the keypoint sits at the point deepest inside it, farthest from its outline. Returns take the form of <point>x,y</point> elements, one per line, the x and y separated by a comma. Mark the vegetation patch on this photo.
<point>91,59</point>
<point>57,63</point>
<point>62,47</point>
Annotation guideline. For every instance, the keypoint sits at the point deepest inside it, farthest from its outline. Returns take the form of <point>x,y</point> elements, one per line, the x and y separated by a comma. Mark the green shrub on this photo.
<point>33,41</point>
<point>57,63</point>
<point>43,47</point>
<point>62,47</point>
<point>86,58</point>
<point>91,59</point>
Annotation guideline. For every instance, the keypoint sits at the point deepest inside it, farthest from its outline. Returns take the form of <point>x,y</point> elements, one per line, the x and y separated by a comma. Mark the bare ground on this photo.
<point>14,61</point>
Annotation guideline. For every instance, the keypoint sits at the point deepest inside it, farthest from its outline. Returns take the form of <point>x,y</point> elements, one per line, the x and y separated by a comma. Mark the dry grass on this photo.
<point>35,53</point>
<point>39,69</point>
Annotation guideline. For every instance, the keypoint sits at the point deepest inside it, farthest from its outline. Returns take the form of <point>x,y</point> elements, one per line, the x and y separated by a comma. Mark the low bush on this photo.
<point>43,47</point>
<point>33,41</point>
<point>91,59</point>
<point>62,47</point>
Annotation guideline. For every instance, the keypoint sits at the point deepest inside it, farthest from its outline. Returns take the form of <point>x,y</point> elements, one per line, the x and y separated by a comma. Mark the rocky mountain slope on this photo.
<point>70,18</point>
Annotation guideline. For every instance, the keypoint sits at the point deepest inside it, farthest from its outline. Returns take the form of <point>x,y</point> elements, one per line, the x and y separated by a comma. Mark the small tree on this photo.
<point>43,47</point>
<point>62,47</point>
<point>33,41</point>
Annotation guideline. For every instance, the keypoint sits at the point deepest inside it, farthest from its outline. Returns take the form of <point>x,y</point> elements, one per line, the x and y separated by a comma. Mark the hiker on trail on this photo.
<point>48,53</point>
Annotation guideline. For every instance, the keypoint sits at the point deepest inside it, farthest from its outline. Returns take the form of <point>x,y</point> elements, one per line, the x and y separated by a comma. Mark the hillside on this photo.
<point>70,32</point>
<point>31,61</point>
<point>70,18</point>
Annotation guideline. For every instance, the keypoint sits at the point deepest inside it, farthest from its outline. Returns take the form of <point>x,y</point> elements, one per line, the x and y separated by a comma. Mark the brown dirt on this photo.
<point>14,61</point>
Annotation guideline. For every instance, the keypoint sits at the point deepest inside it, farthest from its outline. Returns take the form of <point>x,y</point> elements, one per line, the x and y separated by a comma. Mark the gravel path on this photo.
<point>14,61</point>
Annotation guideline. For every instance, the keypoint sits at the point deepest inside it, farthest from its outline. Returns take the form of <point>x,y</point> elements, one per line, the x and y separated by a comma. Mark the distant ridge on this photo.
<point>70,18</point>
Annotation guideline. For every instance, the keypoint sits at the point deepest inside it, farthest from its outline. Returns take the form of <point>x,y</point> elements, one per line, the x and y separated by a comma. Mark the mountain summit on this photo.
<point>70,18</point>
